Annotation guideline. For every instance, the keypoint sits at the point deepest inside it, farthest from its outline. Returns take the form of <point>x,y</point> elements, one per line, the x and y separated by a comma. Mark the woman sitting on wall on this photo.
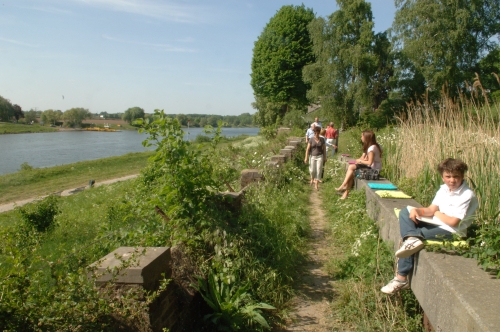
<point>371,158</point>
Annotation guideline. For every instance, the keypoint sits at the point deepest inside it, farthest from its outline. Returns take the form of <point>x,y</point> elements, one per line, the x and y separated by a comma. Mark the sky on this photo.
<point>182,56</point>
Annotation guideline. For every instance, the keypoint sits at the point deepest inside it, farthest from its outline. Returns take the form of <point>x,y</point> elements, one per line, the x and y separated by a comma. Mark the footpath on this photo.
<point>67,192</point>
<point>311,308</point>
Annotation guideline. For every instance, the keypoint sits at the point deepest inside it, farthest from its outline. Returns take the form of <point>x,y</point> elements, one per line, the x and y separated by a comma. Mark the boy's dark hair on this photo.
<point>317,129</point>
<point>452,165</point>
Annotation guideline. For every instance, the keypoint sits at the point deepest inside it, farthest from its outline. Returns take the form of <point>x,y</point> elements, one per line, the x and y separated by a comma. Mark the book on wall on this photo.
<point>429,220</point>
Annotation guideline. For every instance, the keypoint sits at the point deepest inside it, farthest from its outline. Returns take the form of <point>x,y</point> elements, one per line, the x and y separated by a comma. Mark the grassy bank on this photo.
<point>255,252</point>
<point>42,181</point>
<point>17,128</point>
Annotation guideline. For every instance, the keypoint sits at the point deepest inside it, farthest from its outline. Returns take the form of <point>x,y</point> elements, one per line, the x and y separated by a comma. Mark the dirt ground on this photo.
<point>311,310</point>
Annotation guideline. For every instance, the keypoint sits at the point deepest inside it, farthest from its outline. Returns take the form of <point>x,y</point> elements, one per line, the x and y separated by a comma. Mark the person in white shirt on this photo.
<point>453,206</point>
<point>317,123</point>
<point>310,132</point>
<point>371,158</point>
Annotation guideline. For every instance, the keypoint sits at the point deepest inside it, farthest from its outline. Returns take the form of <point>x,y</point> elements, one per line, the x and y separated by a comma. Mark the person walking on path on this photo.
<point>310,132</point>
<point>331,135</point>
<point>316,148</point>
<point>453,206</point>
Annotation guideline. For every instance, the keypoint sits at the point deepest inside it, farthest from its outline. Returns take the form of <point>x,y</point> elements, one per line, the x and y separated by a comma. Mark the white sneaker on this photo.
<point>409,247</point>
<point>394,286</point>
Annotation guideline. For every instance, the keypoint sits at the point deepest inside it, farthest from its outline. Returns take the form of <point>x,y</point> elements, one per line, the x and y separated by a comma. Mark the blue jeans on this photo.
<point>423,231</point>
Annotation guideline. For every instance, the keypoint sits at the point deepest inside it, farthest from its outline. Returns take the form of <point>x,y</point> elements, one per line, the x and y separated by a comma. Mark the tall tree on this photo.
<point>6,109</point>
<point>30,116</point>
<point>51,116</point>
<point>75,116</point>
<point>18,112</point>
<point>345,61</point>
<point>444,39</point>
<point>132,114</point>
<point>279,54</point>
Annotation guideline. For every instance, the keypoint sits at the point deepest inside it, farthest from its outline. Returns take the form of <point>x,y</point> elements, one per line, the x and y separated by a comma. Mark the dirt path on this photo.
<point>311,307</point>
<point>67,192</point>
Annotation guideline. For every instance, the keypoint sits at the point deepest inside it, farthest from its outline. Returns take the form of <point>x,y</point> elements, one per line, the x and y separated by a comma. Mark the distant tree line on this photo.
<point>434,47</point>
<point>195,120</point>
<point>75,116</point>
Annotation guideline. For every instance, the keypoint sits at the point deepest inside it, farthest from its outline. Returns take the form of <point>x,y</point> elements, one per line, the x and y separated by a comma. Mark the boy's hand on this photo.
<point>415,213</point>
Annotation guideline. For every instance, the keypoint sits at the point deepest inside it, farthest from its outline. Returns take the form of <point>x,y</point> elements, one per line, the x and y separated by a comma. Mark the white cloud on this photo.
<point>159,47</point>
<point>50,10</point>
<point>163,10</point>
<point>16,42</point>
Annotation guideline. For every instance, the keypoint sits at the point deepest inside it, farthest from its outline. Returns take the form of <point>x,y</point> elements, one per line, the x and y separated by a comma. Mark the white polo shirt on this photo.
<point>461,203</point>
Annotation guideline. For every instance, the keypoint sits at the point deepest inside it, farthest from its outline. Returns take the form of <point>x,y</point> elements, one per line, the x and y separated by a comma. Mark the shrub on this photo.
<point>40,215</point>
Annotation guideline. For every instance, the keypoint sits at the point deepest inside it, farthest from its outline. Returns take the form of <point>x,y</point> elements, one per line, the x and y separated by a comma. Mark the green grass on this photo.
<point>261,246</point>
<point>42,181</point>
<point>17,128</point>
<point>361,264</point>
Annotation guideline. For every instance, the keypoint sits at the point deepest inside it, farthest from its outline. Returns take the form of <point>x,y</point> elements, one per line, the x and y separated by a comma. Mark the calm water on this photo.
<point>66,147</point>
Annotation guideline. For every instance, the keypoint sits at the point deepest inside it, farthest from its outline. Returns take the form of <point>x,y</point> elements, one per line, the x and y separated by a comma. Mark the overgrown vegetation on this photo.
<point>255,252</point>
<point>465,130</point>
<point>361,263</point>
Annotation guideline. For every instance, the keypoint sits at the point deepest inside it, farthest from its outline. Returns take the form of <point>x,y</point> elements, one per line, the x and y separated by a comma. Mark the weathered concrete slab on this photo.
<point>140,266</point>
<point>279,158</point>
<point>454,292</point>
<point>287,153</point>
<point>250,175</point>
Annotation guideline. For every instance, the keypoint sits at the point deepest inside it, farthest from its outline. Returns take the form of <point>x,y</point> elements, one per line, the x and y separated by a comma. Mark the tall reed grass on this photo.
<point>468,130</point>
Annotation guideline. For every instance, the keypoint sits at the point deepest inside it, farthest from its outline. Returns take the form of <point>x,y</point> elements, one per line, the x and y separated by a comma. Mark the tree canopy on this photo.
<point>281,51</point>
<point>75,116</point>
<point>444,40</point>
<point>133,114</point>
<point>51,116</point>
<point>6,109</point>
<point>343,76</point>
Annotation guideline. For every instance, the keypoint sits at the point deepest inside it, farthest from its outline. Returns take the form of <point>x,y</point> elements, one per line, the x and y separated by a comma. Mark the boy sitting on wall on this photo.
<point>452,210</point>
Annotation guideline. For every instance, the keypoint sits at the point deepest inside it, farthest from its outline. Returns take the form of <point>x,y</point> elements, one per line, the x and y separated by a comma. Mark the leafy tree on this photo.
<point>345,61</point>
<point>487,68</point>
<point>51,116</point>
<point>444,39</point>
<point>6,109</point>
<point>183,119</point>
<point>132,114</point>
<point>30,116</point>
<point>75,116</point>
<point>18,112</point>
<point>279,54</point>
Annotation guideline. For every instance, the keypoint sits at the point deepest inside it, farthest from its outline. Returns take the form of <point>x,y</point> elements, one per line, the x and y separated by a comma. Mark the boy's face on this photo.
<point>452,179</point>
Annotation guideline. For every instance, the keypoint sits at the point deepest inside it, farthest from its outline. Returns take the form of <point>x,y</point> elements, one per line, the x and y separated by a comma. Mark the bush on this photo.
<point>40,215</point>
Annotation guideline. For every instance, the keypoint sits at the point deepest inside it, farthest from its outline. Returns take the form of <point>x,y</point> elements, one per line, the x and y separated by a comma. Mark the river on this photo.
<point>66,147</point>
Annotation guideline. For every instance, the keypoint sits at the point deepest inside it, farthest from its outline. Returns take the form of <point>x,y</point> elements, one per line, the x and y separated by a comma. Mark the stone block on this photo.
<point>284,130</point>
<point>294,141</point>
<point>134,266</point>
<point>250,175</point>
<point>279,158</point>
<point>287,153</point>
<point>272,164</point>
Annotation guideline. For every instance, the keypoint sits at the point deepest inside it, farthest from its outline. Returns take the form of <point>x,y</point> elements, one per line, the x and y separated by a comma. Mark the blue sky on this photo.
<point>186,56</point>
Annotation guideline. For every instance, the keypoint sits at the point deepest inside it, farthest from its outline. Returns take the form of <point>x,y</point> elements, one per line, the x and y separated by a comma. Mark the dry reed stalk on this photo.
<point>466,131</point>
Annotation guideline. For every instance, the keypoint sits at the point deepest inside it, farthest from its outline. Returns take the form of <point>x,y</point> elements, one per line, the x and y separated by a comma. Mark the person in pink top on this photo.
<point>330,135</point>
